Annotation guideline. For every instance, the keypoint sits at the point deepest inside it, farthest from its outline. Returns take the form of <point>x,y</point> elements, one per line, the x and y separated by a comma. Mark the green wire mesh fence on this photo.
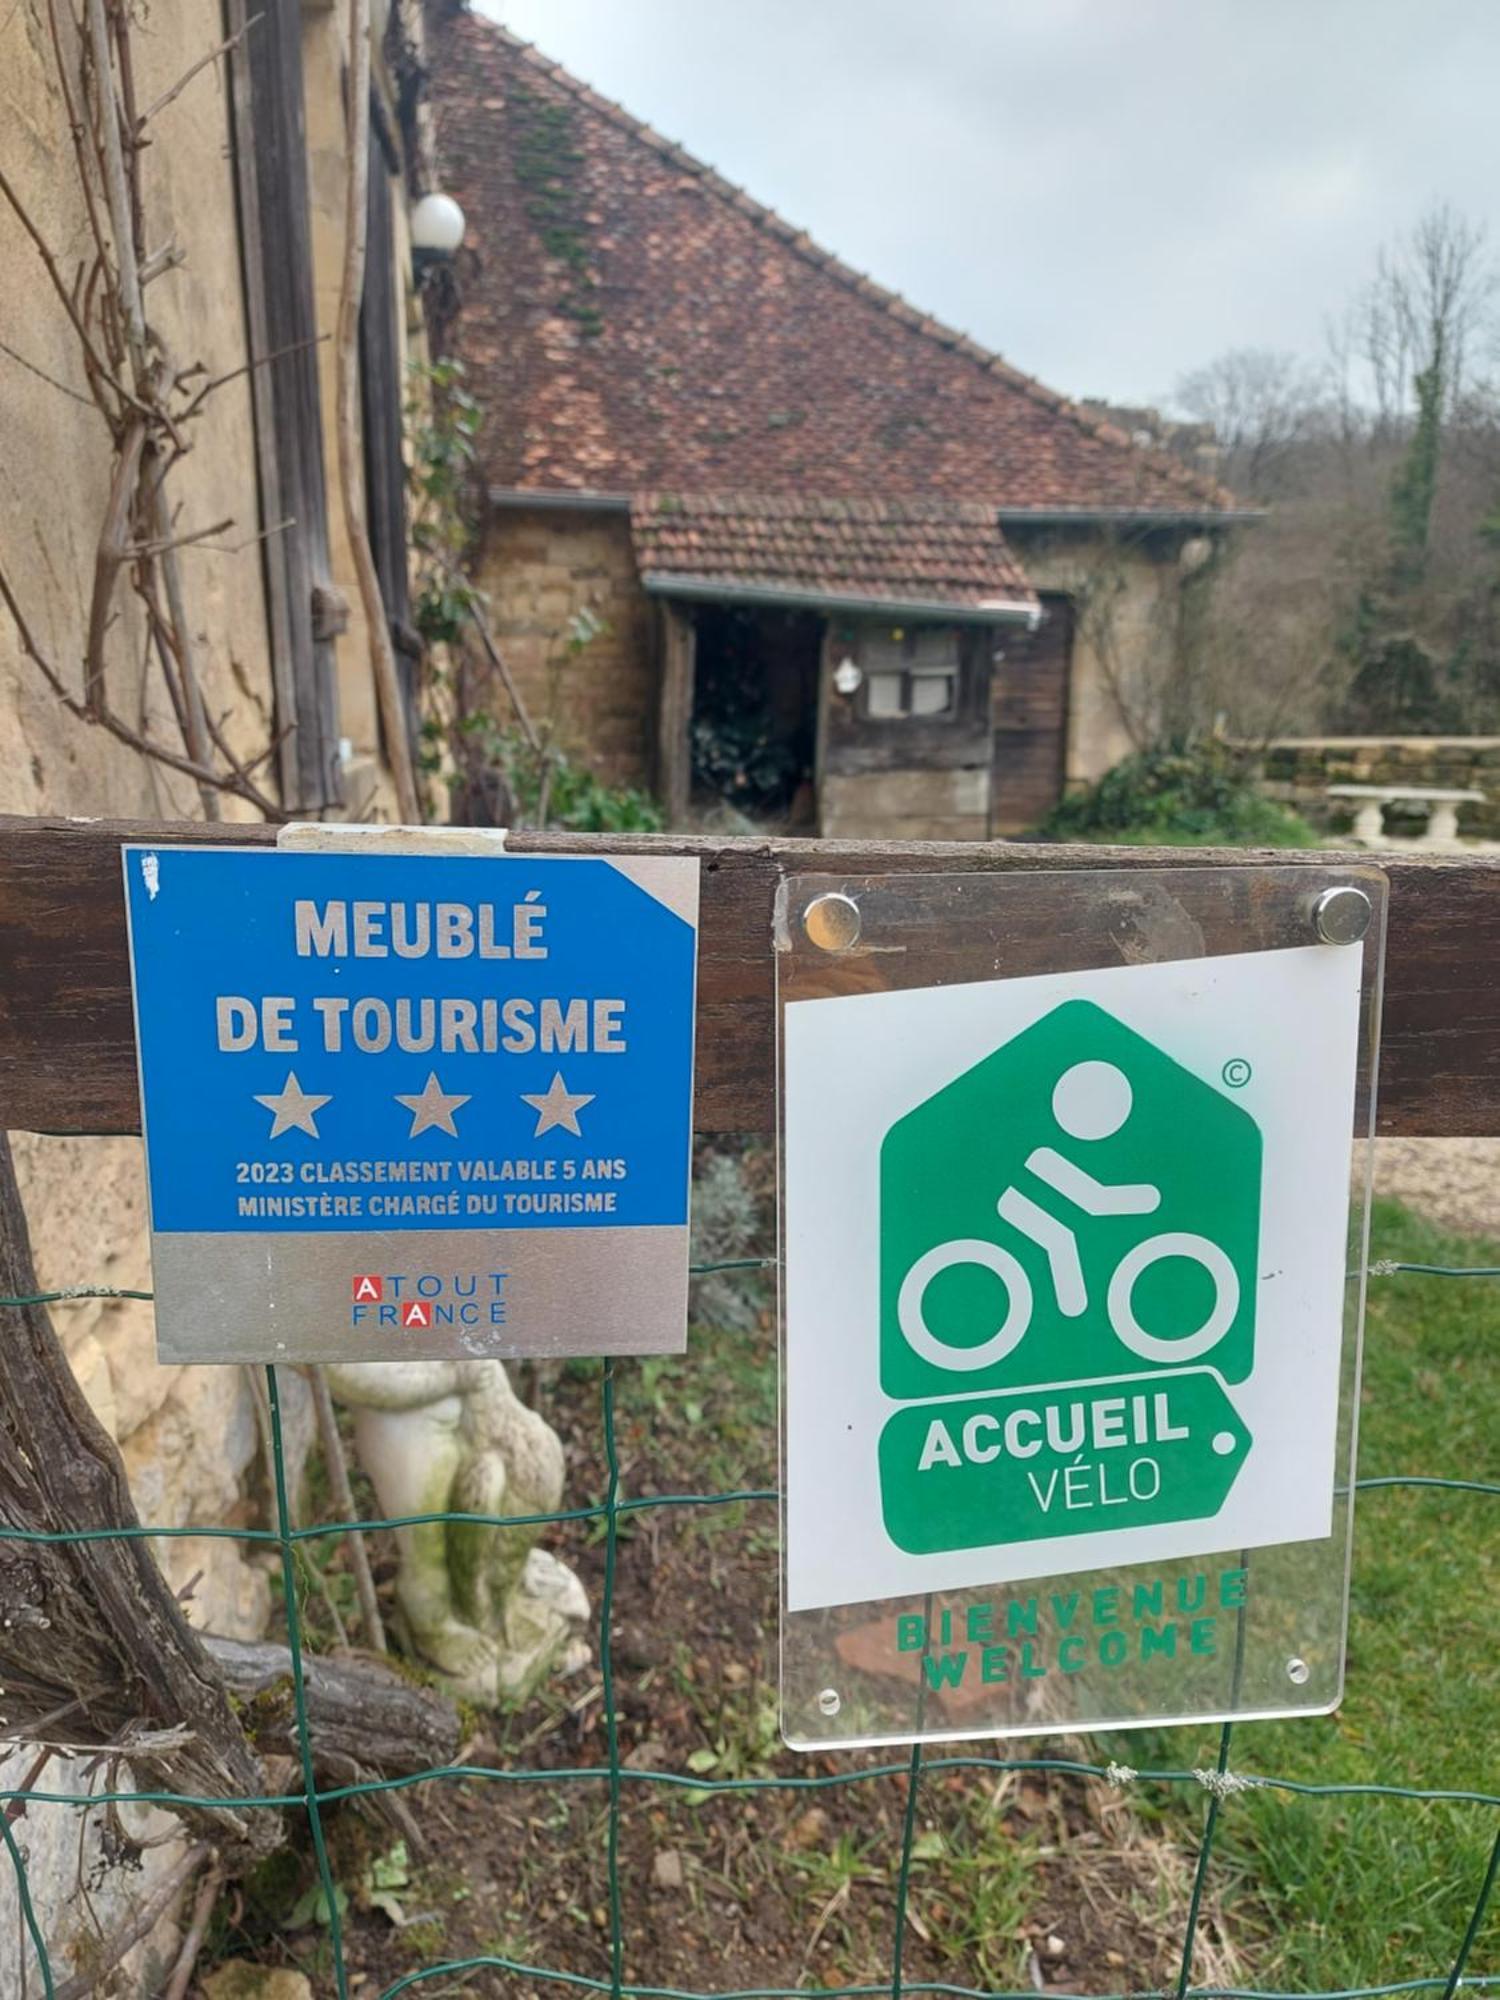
<point>615,1774</point>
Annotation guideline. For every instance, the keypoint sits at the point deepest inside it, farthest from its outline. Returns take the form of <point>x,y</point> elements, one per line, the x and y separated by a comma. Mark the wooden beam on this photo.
<point>677,649</point>
<point>270,158</point>
<point>67,1048</point>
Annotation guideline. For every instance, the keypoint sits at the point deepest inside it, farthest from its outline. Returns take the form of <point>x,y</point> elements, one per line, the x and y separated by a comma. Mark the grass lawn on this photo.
<point>1333,1893</point>
<point>1285,830</point>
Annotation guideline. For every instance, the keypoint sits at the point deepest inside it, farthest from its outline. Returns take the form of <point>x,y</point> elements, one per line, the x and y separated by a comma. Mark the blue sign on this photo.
<point>414,1104</point>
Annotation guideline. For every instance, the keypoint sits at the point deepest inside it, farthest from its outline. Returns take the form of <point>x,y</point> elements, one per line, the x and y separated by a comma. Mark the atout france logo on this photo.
<point>426,1299</point>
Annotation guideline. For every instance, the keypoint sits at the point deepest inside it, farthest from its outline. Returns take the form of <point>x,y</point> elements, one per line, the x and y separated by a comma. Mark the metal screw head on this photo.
<point>1298,1672</point>
<point>832,922</point>
<point>829,1701</point>
<point>1342,915</point>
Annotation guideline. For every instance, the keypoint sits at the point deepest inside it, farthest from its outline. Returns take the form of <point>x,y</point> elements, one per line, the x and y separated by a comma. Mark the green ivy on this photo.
<point>578,799</point>
<point>443,422</point>
<point>1415,487</point>
<point>471,744</point>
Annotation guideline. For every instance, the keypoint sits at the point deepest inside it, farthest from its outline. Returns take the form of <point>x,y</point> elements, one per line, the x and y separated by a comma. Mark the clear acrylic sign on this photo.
<point>1067,1344</point>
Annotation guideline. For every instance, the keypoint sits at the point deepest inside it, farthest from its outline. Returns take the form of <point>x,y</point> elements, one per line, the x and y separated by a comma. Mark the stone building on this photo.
<point>856,570</point>
<point>242,204</point>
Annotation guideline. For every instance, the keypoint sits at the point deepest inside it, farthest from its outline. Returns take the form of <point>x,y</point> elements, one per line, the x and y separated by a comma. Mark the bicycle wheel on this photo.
<point>912,1298</point>
<point>1133,1266</point>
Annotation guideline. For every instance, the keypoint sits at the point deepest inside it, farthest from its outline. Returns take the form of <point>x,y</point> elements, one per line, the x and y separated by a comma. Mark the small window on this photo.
<point>911,674</point>
<point>884,701</point>
<point>933,690</point>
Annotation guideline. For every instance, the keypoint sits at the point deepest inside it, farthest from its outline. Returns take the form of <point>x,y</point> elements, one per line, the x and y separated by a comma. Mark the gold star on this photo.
<point>557,1106</point>
<point>433,1109</point>
<point>293,1106</point>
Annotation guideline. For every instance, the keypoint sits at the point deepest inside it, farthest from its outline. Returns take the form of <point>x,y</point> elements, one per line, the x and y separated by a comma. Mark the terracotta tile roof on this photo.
<point>632,320</point>
<point>897,552</point>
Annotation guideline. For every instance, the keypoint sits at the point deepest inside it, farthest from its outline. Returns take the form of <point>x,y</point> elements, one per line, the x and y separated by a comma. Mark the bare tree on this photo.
<point>1366,599</point>
<point>1262,405</point>
<point>1423,313</point>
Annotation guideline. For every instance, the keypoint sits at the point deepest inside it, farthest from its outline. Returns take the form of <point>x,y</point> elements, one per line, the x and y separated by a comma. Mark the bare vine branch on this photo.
<point>69,304</point>
<point>236,779</point>
<point>141,1925</point>
<point>110,556</point>
<point>501,666</point>
<point>42,375</point>
<point>164,544</point>
<point>174,91</point>
<point>336,1464</point>
<point>117,191</point>
<point>192,1943</point>
<point>146,401</point>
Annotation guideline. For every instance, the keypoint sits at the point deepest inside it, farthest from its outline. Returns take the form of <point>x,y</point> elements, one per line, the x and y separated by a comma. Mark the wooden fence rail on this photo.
<point>67,1045</point>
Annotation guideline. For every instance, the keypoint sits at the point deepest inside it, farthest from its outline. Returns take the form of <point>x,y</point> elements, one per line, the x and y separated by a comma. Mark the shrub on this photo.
<point>578,799</point>
<point>1202,795</point>
<point>582,802</point>
<point>728,1224</point>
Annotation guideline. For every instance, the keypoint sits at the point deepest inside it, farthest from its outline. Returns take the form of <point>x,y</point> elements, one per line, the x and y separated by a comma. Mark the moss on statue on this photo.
<point>481,1606</point>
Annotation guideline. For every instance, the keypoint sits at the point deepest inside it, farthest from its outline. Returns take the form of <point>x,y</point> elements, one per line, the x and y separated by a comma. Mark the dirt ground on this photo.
<point>1453,1182</point>
<point>1018,1880</point>
<point>1021,1881</point>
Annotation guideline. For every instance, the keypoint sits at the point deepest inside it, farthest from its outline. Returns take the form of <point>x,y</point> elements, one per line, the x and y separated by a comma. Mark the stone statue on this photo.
<point>483,1606</point>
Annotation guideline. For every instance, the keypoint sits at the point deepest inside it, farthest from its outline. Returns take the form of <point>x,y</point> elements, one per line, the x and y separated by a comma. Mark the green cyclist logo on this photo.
<point>1092,1100</point>
<point>1076,1218</point>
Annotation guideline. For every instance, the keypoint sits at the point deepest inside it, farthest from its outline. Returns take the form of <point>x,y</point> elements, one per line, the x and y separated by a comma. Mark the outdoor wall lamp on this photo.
<point>437,230</point>
<point>847,676</point>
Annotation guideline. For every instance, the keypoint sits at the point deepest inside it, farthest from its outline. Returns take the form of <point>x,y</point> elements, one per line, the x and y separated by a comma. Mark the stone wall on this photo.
<point>188,1436</point>
<point>1125,593</point>
<point>57,463</point>
<point>85,1198</point>
<point>541,566</point>
<point>1297,770</point>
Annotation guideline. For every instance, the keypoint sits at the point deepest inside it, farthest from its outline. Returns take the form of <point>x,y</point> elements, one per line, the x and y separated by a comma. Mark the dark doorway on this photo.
<point>1031,720</point>
<point>755,706</point>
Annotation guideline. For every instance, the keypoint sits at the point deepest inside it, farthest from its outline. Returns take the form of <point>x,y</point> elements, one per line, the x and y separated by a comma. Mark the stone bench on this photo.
<point>1442,806</point>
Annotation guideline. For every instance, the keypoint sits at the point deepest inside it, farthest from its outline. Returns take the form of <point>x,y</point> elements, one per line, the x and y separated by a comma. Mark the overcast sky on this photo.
<point>1109,192</point>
